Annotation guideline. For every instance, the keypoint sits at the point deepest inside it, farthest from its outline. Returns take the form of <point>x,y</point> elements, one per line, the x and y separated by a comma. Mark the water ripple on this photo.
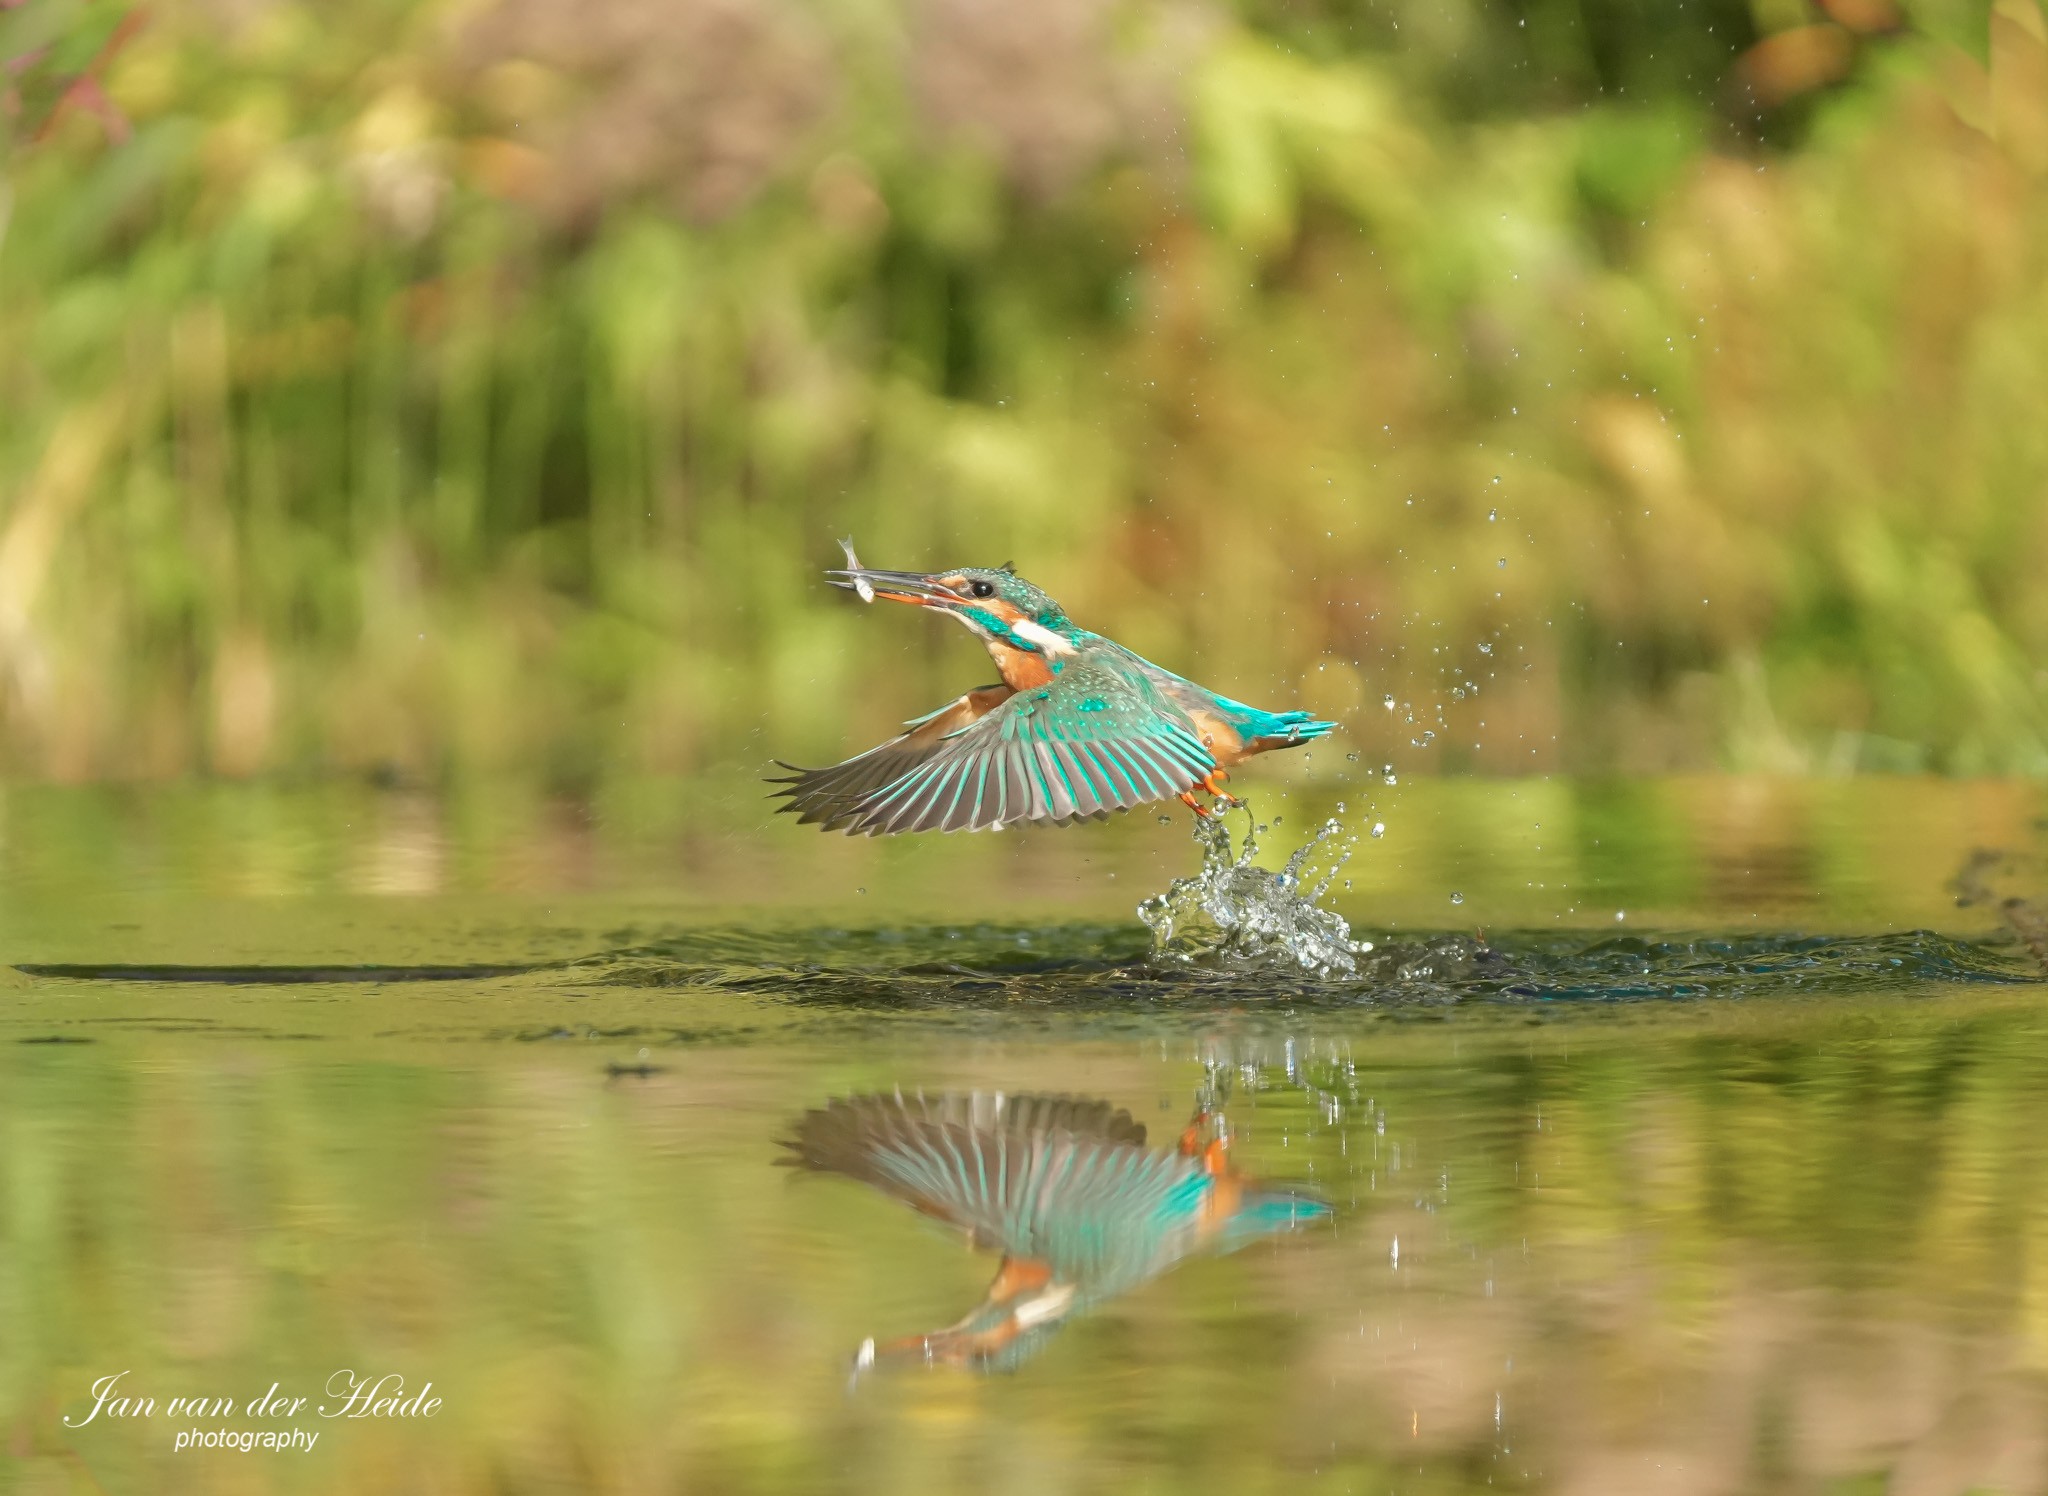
<point>1095,967</point>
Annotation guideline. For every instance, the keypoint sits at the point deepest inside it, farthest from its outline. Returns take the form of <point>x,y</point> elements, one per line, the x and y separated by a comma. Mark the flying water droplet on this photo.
<point>1492,515</point>
<point>1457,898</point>
<point>1486,649</point>
<point>1502,563</point>
<point>1379,829</point>
<point>1387,702</point>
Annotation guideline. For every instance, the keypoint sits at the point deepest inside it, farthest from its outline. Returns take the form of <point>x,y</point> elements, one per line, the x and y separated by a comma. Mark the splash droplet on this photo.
<point>1457,898</point>
<point>1379,829</point>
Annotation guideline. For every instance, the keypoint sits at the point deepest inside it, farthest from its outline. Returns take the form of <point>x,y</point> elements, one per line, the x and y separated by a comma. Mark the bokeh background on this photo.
<point>423,424</point>
<point>416,388</point>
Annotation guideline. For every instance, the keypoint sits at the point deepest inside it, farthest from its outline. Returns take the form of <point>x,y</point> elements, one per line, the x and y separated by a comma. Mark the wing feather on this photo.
<point>1098,740</point>
<point>837,797</point>
<point>1016,783</point>
<point>1087,801</point>
<point>1156,765</point>
<point>1115,754</point>
<point>1118,789</point>
<point>1102,787</point>
<point>904,806</point>
<point>1109,795</point>
<point>1056,777</point>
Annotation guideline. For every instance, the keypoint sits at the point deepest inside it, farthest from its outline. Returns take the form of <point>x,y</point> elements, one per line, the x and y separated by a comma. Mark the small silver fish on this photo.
<point>860,583</point>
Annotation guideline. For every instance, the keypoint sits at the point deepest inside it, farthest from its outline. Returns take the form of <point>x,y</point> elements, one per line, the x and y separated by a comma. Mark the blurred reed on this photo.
<point>481,386</point>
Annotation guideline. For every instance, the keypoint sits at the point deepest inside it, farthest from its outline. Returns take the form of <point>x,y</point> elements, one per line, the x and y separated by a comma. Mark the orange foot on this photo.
<point>1214,1153</point>
<point>1213,783</point>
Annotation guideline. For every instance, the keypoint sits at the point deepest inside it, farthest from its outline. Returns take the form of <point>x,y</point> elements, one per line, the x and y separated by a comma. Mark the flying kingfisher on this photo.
<point>1077,727</point>
<point>1063,1186</point>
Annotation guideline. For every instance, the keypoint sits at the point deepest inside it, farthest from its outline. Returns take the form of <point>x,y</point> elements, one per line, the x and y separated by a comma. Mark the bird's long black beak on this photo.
<point>897,586</point>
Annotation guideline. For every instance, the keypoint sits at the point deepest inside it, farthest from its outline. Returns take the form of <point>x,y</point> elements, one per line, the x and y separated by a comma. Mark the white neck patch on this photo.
<point>1049,1305</point>
<point>1043,637</point>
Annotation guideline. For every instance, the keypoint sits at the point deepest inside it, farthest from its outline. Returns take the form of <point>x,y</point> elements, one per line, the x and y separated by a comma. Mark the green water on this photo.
<point>1746,1189</point>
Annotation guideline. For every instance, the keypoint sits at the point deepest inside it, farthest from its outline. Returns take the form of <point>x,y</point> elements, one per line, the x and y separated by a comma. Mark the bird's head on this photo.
<point>995,602</point>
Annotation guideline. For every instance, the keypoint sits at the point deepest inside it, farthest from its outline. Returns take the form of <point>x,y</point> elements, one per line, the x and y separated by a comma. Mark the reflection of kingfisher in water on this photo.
<point>1078,726</point>
<point>1063,1187</point>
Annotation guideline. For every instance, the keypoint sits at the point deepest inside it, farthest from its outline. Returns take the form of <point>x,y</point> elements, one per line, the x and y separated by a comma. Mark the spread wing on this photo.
<point>1056,1179</point>
<point>832,795</point>
<point>1089,742</point>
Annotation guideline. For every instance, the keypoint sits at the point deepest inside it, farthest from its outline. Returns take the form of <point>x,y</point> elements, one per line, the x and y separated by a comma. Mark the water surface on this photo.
<point>1743,1190</point>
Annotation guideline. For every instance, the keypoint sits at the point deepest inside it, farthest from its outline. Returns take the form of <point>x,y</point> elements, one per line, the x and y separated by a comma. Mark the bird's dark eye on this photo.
<point>982,589</point>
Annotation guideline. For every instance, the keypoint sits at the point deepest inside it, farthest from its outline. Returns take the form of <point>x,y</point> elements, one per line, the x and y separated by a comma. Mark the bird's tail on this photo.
<point>1286,729</point>
<point>1267,1212</point>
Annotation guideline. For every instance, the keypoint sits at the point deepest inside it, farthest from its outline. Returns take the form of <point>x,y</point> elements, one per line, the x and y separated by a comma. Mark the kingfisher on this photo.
<point>1077,727</point>
<point>1063,1186</point>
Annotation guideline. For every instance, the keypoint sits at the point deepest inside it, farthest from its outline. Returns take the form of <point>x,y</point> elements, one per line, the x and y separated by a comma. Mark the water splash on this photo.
<point>1235,913</point>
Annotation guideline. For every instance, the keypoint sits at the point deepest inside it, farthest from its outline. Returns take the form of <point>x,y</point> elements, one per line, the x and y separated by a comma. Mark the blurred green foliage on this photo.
<point>483,385</point>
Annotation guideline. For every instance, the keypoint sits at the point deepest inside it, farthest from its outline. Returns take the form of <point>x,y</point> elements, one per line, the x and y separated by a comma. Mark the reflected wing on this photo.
<point>1056,1179</point>
<point>1093,741</point>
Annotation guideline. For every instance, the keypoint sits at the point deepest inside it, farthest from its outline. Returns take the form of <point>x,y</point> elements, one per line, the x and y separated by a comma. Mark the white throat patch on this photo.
<point>1043,637</point>
<point>1050,1305</point>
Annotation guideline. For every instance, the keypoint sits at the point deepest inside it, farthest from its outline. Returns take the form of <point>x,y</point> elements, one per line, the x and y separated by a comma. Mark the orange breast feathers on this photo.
<point>1023,669</point>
